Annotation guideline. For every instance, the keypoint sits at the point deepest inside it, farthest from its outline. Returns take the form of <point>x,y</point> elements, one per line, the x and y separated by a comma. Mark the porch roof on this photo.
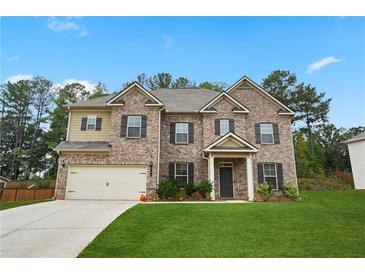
<point>232,143</point>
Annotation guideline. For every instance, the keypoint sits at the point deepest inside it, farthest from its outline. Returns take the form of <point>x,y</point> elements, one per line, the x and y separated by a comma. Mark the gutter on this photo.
<point>159,145</point>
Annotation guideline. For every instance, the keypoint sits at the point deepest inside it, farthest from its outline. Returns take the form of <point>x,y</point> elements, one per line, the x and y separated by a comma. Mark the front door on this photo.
<point>226,182</point>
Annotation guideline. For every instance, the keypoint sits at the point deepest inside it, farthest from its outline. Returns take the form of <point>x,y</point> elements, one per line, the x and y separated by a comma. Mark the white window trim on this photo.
<point>87,122</point>
<point>187,134</point>
<point>276,175</point>
<point>140,127</point>
<point>187,171</point>
<point>272,134</point>
<point>220,129</point>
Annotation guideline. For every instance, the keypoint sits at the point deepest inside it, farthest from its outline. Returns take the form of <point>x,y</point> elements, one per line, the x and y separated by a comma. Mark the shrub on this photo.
<point>204,188</point>
<point>290,191</point>
<point>181,196</point>
<point>190,188</point>
<point>168,188</point>
<point>265,190</point>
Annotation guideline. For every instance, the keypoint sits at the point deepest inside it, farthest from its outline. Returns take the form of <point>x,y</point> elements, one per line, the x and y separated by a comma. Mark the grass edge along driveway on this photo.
<point>322,224</point>
<point>12,204</point>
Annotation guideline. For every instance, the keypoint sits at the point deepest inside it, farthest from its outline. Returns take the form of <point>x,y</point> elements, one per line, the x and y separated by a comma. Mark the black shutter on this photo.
<point>83,123</point>
<point>123,127</point>
<point>276,133</point>
<point>191,133</point>
<point>191,172</point>
<point>98,124</point>
<point>260,172</point>
<point>172,133</point>
<point>279,170</point>
<point>171,170</point>
<point>231,125</point>
<point>257,133</point>
<point>143,126</point>
<point>217,127</point>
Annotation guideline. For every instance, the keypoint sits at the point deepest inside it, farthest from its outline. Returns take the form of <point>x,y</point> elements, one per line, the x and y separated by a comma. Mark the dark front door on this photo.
<point>226,182</point>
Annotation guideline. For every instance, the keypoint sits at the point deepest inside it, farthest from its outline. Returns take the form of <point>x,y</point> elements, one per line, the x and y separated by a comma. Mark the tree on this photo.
<point>280,84</point>
<point>17,99</point>
<point>160,80</point>
<point>183,82</point>
<point>310,107</point>
<point>99,91</point>
<point>217,86</point>
<point>59,118</point>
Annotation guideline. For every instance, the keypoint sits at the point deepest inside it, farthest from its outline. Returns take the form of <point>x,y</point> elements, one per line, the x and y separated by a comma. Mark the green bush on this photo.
<point>290,191</point>
<point>190,188</point>
<point>204,187</point>
<point>265,190</point>
<point>168,189</point>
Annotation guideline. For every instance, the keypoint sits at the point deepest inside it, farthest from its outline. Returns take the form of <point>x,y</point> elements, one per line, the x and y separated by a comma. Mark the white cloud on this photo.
<point>322,63</point>
<point>88,86</point>
<point>13,59</point>
<point>15,78</point>
<point>167,41</point>
<point>67,24</point>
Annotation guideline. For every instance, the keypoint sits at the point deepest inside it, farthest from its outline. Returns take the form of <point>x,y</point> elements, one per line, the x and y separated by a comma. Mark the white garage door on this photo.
<point>106,182</point>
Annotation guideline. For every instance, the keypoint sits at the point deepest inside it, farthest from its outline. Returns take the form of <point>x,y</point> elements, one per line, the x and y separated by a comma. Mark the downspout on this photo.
<point>159,144</point>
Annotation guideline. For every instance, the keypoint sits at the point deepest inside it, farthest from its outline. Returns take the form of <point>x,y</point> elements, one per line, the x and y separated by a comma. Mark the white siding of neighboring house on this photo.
<point>357,157</point>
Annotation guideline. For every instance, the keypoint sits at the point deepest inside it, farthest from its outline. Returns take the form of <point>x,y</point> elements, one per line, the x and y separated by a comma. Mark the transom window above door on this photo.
<point>182,133</point>
<point>223,126</point>
<point>267,135</point>
<point>134,126</point>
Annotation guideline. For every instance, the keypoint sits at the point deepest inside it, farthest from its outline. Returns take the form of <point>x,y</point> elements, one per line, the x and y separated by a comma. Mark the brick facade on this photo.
<point>145,150</point>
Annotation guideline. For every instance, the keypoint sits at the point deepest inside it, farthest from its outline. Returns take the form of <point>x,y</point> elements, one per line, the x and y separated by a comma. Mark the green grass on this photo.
<point>322,224</point>
<point>12,204</point>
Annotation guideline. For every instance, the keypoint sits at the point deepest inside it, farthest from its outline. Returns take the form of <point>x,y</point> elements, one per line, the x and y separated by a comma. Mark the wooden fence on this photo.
<point>18,194</point>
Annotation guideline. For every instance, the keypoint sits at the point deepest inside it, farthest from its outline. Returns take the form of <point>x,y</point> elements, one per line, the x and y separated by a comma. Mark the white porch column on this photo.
<point>211,174</point>
<point>250,186</point>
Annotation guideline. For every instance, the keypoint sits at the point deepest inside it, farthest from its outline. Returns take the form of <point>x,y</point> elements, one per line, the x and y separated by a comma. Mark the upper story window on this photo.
<point>267,135</point>
<point>181,172</point>
<point>91,123</point>
<point>134,124</point>
<point>270,175</point>
<point>182,133</point>
<point>223,126</point>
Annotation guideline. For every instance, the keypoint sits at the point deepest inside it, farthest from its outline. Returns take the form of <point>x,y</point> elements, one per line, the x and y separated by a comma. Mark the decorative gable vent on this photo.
<point>244,85</point>
<point>118,102</point>
<point>211,109</point>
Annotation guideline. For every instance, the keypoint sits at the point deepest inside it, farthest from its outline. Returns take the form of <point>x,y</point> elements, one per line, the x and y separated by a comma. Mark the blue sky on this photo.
<point>328,52</point>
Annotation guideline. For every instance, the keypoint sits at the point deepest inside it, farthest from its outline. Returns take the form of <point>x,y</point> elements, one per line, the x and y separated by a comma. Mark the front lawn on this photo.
<point>12,204</point>
<point>322,224</point>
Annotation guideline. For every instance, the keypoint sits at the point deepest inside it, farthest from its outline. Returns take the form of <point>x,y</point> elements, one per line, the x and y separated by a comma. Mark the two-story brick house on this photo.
<point>122,145</point>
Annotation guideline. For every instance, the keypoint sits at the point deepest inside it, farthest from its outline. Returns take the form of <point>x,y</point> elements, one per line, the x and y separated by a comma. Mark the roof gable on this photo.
<point>239,108</point>
<point>230,142</point>
<point>117,99</point>
<point>246,82</point>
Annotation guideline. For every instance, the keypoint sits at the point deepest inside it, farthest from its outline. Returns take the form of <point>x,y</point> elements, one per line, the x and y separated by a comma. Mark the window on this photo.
<point>91,123</point>
<point>181,172</point>
<point>182,133</point>
<point>134,126</point>
<point>223,126</point>
<point>270,175</point>
<point>266,132</point>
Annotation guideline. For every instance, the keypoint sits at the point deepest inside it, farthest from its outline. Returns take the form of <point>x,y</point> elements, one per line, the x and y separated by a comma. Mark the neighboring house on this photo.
<point>356,147</point>
<point>3,182</point>
<point>122,145</point>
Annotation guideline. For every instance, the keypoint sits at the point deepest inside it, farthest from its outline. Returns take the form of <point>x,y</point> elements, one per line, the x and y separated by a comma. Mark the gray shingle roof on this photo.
<point>356,138</point>
<point>184,100</point>
<point>97,102</point>
<point>80,145</point>
<point>175,100</point>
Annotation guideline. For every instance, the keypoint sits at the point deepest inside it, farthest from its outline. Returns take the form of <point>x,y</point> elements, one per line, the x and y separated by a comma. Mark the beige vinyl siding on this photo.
<point>90,135</point>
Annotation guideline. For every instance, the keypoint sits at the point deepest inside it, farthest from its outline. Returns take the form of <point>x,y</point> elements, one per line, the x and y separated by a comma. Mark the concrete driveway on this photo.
<point>57,228</point>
